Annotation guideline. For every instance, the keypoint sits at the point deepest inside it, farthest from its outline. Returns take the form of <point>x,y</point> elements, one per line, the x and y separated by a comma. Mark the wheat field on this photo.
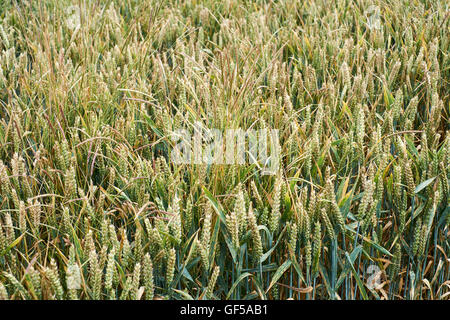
<point>92,205</point>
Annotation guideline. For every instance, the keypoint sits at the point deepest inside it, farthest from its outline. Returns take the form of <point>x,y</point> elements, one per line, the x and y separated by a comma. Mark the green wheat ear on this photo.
<point>53,276</point>
<point>212,282</point>
<point>275,213</point>
<point>317,246</point>
<point>136,281</point>
<point>256,236</point>
<point>233,228</point>
<point>170,269</point>
<point>148,277</point>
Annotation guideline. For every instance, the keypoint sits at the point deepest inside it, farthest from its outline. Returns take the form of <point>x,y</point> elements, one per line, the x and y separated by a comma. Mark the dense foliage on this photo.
<point>92,207</point>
